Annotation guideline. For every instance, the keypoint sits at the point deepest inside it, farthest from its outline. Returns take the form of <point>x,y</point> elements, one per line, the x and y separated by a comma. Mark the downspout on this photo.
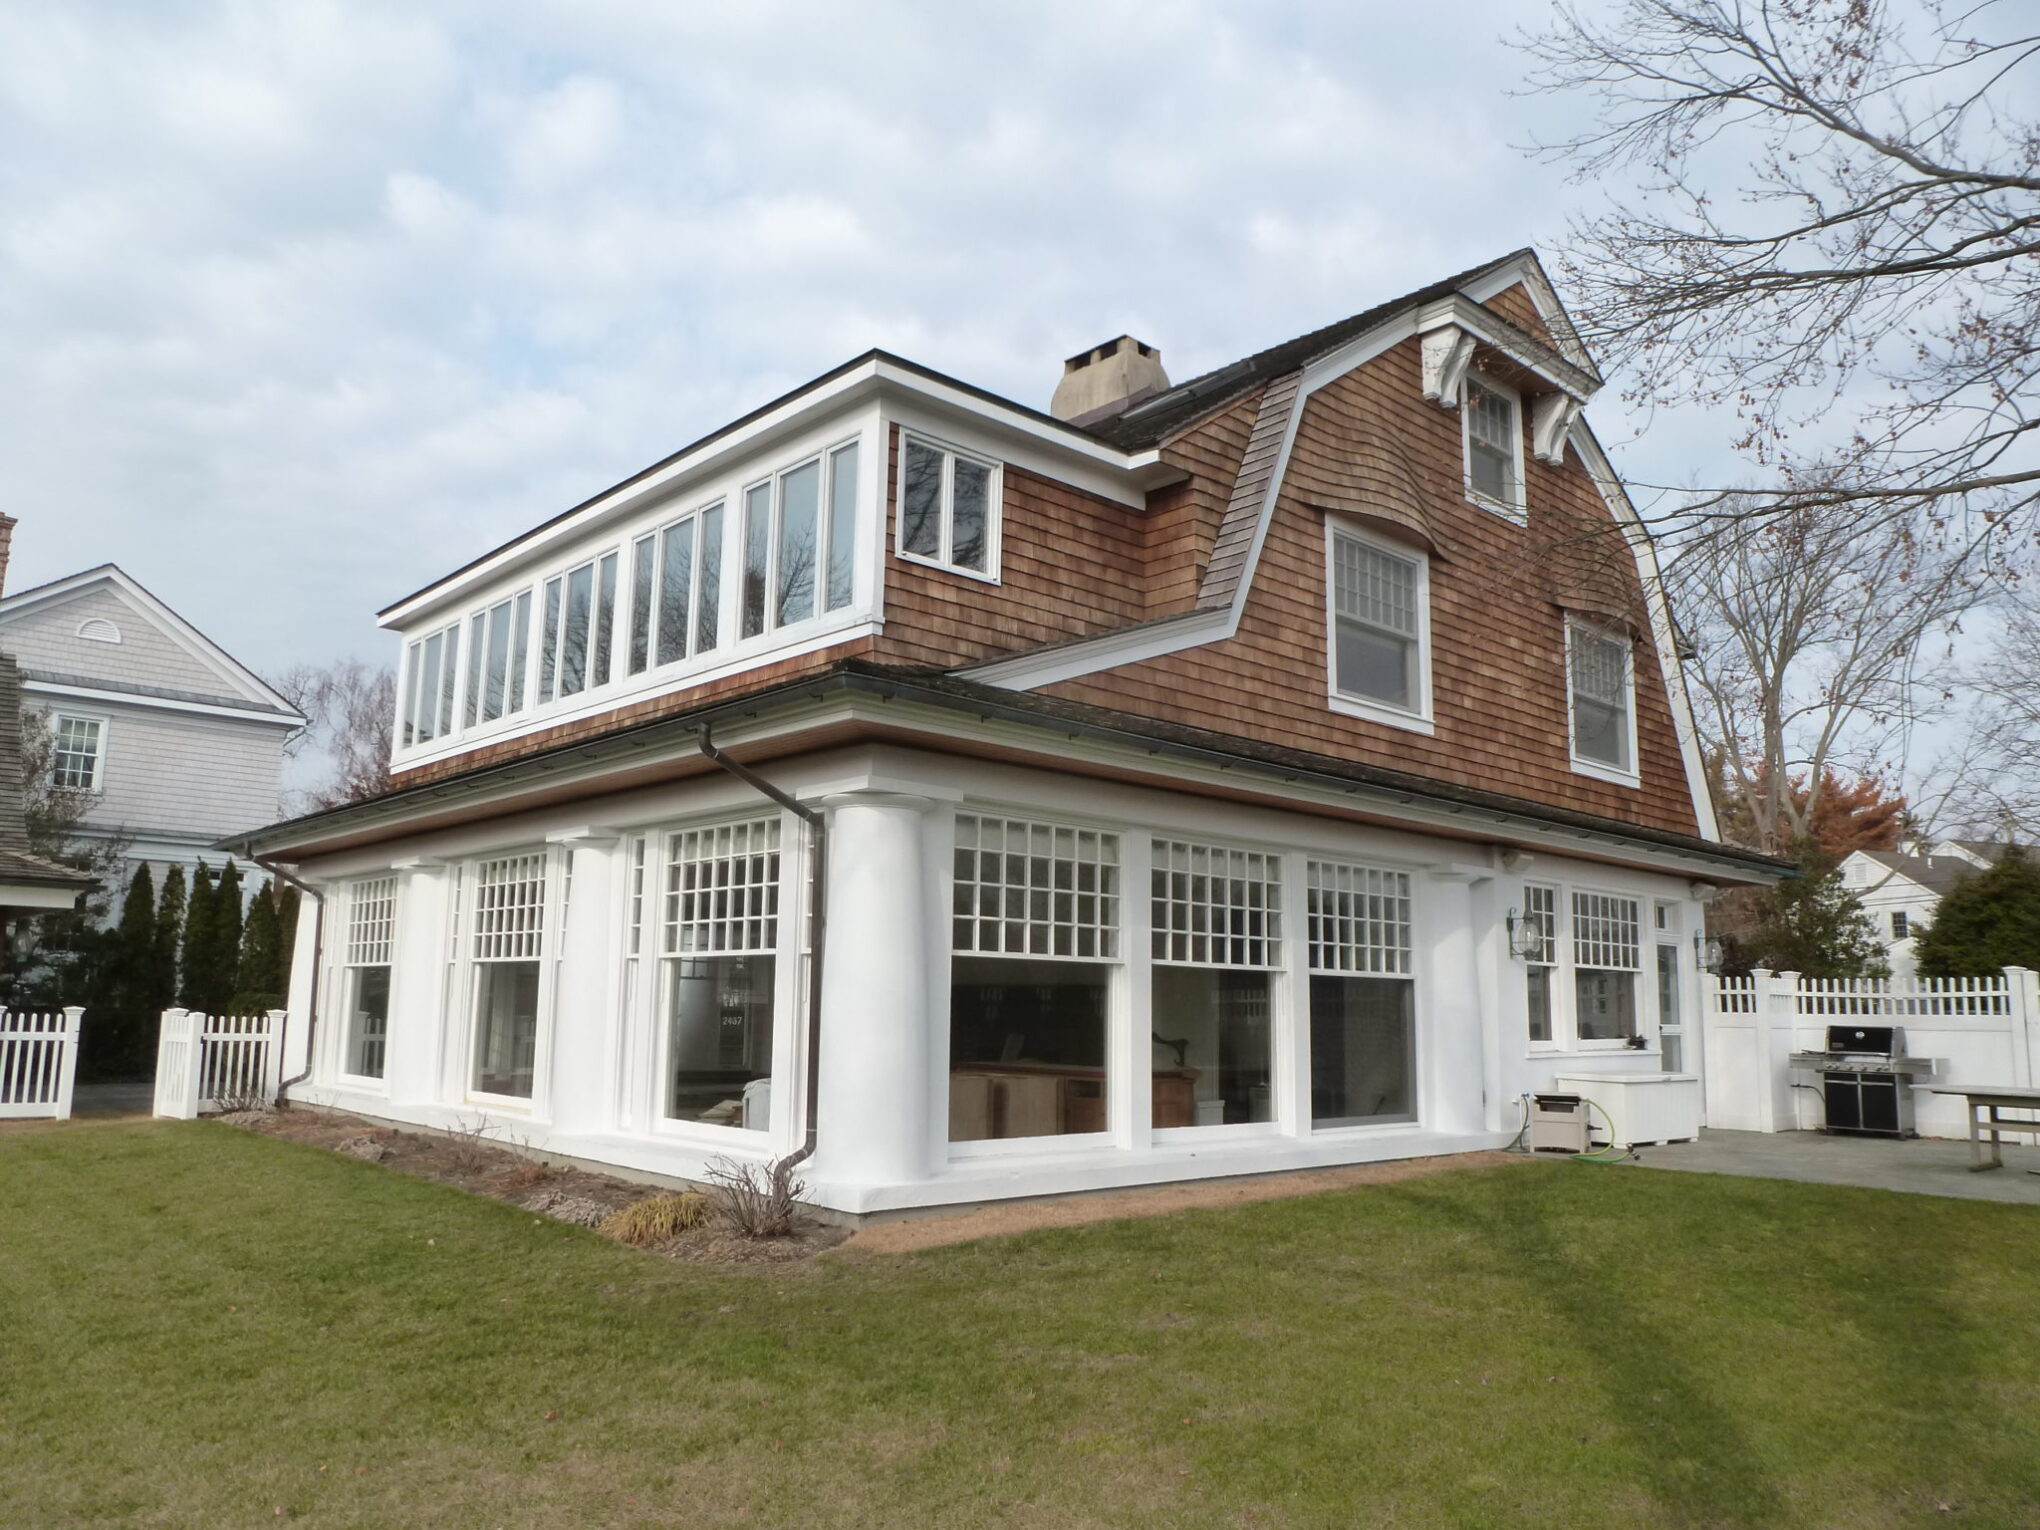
<point>817,918</point>
<point>318,959</point>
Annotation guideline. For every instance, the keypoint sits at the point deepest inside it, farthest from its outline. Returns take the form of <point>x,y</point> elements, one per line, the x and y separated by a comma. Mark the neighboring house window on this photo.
<point>432,672</point>
<point>721,940</point>
<point>498,640</point>
<point>1035,934</point>
<point>1217,938</point>
<point>371,918</point>
<point>1380,624</point>
<point>77,753</point>
<point>1602,683</point>
<point>1901,925</point>
<point>1494,445</point>
<point>949,508</point>
<point>1540,913</point>
<point>509,940</point>
<point>676,591</point>
<point>1362,1005</point>
<point>800,539</point>
<point>580,612</point>
<point>98,629</point>
<point>1607,955</point>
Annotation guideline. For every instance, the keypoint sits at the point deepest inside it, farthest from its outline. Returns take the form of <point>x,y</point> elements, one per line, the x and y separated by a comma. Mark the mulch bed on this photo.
<point>472,1163</point>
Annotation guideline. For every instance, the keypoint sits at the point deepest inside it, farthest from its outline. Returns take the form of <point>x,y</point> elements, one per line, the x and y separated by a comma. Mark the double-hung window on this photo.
<point>949,508</point>
<point>1602,682</point>
<point>1607,958</point>
<point>800,541</point>
<point>721,944</point>
<point>1380,627</point>
<point>497,642</point>
<point>1216,919</point>
<point>77,753</point>
<point>580,614</point>
<point>365,998</point>
<point>1494,446</point>
<point>1540,914</point>
<point>1036,935</point>
<point>1362,998</point>
<point>676,591</point>
<point>432,676</point>
<point>508,937</point>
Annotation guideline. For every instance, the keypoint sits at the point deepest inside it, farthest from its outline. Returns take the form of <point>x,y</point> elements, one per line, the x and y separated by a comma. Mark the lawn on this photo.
<point>205,1327</point>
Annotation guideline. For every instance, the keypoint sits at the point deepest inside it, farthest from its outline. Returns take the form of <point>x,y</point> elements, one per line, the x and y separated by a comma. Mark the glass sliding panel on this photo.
<point>549,644</point>
<point>605,614</point>
<point>644,557</point>
<point>520,646</point>
<point>477,637</point>
<point>969,515</point>
<point>574,630</point>
<point>1362,1052</point>
<point>757,555</point>
<point>921,501</point>
<point>1026,1047</point>
<point>676,583</point>
<point>708,588</point>
<point>506,1027</point>
<point>1212,1046</point>
<point>842,525</point>
<point>800,514</point>
<point>719,1040</point>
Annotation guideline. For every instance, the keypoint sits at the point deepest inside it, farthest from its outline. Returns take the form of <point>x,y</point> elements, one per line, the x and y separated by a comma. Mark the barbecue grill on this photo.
<point>1866,1080</point>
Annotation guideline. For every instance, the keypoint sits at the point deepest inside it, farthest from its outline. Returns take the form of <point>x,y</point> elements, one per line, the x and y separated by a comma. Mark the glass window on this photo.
<point>508,936</point>
<point>371,918</point>
<point>1036,923</point>
<point>1671,1020</point>
<point>497,639</point>
<point>580,606</point>
<point>1606,959</point>
<point>1216,915</point>
<point>1600,675</point>
<point>1377,603</point>
<point>77,750</point>
<point>1492,437</point>
<point>432,679</point>
<point>1362,1003</point>
<point>1901,924</point>
<point>800,542</point>
<point>949,504</point>
<point>721,939</point>
<point>842,525</point>
<point>1540,912</point>
<point>674,605</point>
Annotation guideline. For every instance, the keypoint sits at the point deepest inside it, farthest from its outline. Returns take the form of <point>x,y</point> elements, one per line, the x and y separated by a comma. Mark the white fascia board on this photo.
<point>33,895</point>
<point>1127,472</point>
<point>156,703</point>
<point>1543,297</point>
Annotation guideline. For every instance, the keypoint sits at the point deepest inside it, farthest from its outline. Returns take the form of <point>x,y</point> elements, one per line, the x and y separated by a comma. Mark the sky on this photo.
<point>304,304</point>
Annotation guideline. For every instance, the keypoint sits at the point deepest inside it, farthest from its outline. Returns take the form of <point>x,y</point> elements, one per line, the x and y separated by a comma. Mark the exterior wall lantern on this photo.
<point>1526,936</point>
<point>1707,951</point>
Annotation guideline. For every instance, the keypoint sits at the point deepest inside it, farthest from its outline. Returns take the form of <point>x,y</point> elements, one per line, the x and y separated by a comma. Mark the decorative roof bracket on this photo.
<point>1448,352</point>
<point>1552,416</point>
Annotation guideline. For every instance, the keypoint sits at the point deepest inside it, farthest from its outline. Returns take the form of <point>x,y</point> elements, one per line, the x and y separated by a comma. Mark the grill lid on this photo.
<point>1864,1040</point>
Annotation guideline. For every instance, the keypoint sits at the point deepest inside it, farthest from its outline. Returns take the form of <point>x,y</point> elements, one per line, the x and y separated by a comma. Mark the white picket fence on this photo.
<point>38,1062</point>
<point>1978,1030</point>
<point>209,1063</point>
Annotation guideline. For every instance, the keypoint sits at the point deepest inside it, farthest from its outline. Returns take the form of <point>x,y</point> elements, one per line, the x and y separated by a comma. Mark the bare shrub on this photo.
<point>756,1200</point>
<point>655,1219</point>
<point>468,1148</point>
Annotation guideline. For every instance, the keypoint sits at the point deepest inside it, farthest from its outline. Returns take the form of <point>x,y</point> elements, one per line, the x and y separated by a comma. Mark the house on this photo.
<point>1284,768</point>
<point>175,742</point>
<point>1900,889</point>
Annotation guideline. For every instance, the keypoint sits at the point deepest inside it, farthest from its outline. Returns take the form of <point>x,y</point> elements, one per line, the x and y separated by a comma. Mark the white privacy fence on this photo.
<point>1977,1030</point>
<point>217,1062</point>
<point>38,1061</point>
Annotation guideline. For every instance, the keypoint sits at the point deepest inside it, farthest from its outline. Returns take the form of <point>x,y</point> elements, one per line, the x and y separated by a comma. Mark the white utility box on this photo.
<point>1632,1109</point>
<point>1558,1124</point>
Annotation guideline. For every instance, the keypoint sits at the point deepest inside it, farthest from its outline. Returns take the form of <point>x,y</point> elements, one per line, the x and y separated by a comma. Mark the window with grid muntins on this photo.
<point>74,754</point>
<point>1215,907</point>
<point>1606,932</point>
<point>509,903</point>
<point>371,916</point>
<point>1376,587</point>
<point>1600,668</point>
<point>1035,889</point>
<point>1359,919</point>
<point>722,890</point>
<point>1540,912</point>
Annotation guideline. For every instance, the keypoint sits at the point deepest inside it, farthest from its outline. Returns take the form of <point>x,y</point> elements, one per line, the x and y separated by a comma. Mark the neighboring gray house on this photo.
<point>178,743</point>
<point>1900,889</point>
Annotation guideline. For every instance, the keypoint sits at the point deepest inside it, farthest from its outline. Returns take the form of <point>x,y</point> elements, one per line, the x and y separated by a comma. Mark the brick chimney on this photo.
<point>7,525</point>
<point>1106,380</point>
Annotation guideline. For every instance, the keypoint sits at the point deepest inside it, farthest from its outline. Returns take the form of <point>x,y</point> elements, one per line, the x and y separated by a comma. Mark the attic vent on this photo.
<point>98,629</point>
<point>1106,380</point>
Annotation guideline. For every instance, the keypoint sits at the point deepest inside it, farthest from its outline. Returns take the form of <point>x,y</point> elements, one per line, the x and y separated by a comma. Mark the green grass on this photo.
<point>202,1327</point>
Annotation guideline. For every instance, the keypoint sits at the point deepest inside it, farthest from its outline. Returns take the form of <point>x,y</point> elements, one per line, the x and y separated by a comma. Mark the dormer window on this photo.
<point>800,540</point>
<point>431,675</point>
<point>580,614</point>
<point>949,509</point>
<point>1602,683</point>
<point>1494,446</point>
<point>1380,623</point>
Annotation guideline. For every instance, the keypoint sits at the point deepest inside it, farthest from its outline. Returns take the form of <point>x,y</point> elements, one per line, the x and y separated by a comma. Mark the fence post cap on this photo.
<point>277,1014</point>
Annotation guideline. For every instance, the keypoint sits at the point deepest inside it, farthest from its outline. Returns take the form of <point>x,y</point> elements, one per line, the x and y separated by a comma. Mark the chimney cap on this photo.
<point>1107,379</point>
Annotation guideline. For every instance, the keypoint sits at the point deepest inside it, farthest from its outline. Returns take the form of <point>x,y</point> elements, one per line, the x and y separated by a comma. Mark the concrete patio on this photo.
<point>1924,1166</point>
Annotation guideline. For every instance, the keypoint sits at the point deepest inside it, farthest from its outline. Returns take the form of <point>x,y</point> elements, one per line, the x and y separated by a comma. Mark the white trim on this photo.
<point>100,750</point>
<point>1417,719</point>
<point>164,703</point>
<point>1468,315</point>
<point>1582,765</point>
<point>88,630</point>
<point>995,490</point>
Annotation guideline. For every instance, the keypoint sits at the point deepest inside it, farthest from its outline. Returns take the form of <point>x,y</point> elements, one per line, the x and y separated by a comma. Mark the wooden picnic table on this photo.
<point>1982,1104</point>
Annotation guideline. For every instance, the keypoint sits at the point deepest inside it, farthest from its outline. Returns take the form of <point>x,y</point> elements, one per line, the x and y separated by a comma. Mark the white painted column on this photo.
<point>578,1092</point>
<point>1491,970</point>
<point>880,1080</point>
<point>415,1056</point>
<point>1449,1022</point>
